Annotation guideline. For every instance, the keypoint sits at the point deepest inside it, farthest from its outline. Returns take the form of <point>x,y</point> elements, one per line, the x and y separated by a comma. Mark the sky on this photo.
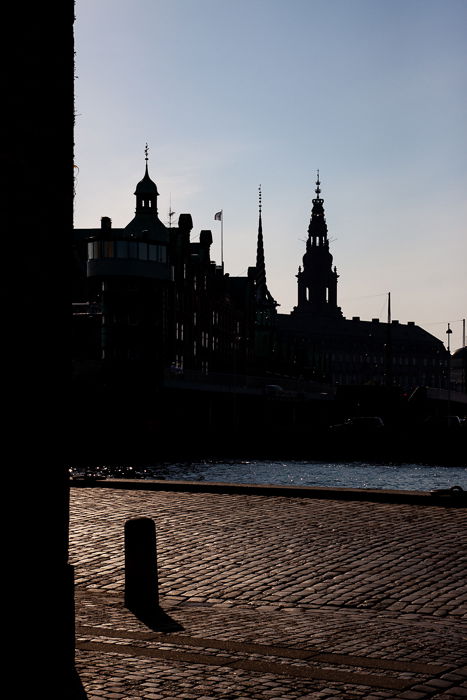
<point>233,95</point>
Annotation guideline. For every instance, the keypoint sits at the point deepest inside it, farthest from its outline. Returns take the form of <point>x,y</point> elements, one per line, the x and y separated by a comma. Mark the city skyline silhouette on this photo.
<point>232,96</point>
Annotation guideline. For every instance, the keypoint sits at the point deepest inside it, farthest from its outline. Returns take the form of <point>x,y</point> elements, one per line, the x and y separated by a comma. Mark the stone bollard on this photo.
<point>141,585</point>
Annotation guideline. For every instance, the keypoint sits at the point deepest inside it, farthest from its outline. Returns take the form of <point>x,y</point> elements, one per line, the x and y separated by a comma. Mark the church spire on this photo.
<point>260,263</point>
<point>318,230</point>
<point>317,281</point>
<point>263,296</point>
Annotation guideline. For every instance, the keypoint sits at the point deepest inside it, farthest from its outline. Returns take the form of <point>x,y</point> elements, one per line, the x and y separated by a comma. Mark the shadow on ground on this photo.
<point>156,619</point>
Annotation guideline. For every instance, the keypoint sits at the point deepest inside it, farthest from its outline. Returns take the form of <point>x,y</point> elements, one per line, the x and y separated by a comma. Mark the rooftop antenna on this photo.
<point>171,212</point>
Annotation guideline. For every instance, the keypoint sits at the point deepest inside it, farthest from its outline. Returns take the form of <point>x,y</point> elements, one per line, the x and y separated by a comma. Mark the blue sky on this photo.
<point>233,95</point>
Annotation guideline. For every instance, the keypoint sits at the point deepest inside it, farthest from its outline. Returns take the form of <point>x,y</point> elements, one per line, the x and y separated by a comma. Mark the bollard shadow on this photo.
<point>156,619</point>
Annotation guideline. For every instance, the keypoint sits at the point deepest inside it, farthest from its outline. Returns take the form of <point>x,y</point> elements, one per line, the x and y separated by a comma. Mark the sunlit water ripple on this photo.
<point>410,477</point>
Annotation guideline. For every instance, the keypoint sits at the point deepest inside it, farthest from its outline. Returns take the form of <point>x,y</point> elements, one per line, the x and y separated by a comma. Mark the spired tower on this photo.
<point>264,302</point>
<point>264,305</point>
<point>130,269</point>
<point>317,282</point>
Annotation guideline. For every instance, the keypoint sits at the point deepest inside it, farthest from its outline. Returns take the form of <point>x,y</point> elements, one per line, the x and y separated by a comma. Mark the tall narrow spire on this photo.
<point>260,264</point>
<point>263,296</point>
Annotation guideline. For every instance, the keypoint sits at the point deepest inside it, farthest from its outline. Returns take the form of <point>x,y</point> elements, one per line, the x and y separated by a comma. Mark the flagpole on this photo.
<point>220,217</point>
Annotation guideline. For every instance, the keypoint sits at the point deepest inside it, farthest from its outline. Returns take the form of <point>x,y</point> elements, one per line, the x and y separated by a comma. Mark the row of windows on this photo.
<point>348,358</point>
<point>380,359</point>
<point>201,282</point>
<point>124,250</point>
<point>206,340</point>
<point>215,322</point>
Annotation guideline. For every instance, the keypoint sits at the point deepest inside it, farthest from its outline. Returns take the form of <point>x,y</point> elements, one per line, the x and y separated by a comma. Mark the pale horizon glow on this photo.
<point>230,96</point>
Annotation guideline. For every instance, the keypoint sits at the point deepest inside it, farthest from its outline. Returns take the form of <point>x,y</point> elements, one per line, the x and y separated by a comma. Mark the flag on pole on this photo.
<point>218,216</point>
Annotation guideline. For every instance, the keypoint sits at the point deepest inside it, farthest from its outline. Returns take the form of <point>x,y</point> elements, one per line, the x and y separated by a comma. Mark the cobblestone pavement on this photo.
<point>269,598</point>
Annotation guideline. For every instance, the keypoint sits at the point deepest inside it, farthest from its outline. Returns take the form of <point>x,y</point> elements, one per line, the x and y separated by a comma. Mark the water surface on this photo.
<point>412,477</point>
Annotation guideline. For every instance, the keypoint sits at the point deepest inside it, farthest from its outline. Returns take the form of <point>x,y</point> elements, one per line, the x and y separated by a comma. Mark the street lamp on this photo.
<point>448,333</point>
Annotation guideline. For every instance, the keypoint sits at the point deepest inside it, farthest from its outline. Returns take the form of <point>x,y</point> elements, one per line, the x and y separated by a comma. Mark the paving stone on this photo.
<point>375,582</point>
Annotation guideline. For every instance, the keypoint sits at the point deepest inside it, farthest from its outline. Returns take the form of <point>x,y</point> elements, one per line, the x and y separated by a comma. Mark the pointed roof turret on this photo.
<point>146,222</point>
<point>146,185</point>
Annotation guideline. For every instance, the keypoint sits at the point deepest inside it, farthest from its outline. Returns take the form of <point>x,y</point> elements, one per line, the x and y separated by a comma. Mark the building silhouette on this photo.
<point>316,341</point>
<point>151,304</point>
<point>317,282</point>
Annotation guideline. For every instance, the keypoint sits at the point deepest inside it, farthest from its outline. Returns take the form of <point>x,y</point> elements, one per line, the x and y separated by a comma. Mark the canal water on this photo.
<point>413,477</point>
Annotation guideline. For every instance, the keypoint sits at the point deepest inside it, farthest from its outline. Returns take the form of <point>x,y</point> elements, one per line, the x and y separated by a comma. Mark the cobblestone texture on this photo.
<point>272,597</point>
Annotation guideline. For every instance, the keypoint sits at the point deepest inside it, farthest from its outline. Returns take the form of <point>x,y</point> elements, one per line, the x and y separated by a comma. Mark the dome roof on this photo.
<point>146,185</point>
<point>460,353</point>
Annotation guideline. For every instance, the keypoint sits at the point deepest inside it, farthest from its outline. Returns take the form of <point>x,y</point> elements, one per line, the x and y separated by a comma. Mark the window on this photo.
<point>179,331</point>
<point>157,253</point>
<point>93,250</point>
<point>108,249</point>
<point>122,249</point>
<point>143,251</point>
